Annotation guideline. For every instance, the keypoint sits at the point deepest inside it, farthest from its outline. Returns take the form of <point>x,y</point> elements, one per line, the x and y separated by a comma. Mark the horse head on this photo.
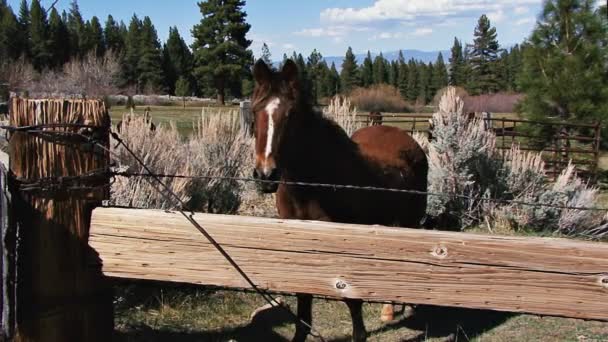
<point>274,97</point>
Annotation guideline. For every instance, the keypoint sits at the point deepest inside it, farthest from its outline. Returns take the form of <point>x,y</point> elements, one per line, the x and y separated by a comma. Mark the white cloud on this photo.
<point>424,31</point>
<point>496,17</point>
<point>289,46</point>
<point>521,10</point>
<point>330,31</point>
<point>400,10</point>
<point>524,21</point>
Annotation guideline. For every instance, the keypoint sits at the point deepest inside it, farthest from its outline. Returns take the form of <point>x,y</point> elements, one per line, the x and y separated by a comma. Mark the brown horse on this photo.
<point>374,118</point>
<point>294,142</point>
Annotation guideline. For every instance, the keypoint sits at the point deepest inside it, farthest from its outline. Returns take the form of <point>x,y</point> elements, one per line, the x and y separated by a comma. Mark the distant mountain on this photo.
<point>424,56</point>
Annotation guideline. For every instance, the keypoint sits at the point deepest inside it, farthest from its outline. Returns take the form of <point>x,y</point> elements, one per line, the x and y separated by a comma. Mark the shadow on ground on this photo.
<point>429,322</point>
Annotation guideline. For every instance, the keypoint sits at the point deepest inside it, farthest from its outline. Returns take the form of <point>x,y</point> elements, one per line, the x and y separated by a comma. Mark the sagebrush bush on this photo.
<point>342,111</point>
<point>380,97</point>
<point>465,164</point>
<point>217,148</point>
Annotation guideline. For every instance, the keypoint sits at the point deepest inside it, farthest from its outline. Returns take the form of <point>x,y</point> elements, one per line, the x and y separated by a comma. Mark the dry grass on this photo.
<point>381,97</point>
<point>217,148</point>
<point>343,111</point>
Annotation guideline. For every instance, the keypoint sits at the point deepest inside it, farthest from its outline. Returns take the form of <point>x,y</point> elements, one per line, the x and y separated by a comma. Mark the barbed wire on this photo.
<point>363,188</point>
<point>165,191</point>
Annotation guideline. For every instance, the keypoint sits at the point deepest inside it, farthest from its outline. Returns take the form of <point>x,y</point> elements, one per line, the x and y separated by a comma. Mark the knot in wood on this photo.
<point>604,281</point>
<point>440,252</point>
<point>341,285</point>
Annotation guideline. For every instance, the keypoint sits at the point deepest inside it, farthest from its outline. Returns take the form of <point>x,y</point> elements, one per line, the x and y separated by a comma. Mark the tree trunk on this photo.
<point>220,92</point>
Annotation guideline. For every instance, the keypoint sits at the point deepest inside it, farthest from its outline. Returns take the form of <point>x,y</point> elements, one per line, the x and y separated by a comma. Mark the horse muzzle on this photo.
<point>267,180</point>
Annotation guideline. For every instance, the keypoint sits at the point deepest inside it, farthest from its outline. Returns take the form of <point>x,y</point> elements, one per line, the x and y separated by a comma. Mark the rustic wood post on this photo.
<point>55,182</point>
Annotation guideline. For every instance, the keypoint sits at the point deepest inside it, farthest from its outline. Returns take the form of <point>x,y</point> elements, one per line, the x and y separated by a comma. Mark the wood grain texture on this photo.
<point>536,275</point>
<point>59,297</point>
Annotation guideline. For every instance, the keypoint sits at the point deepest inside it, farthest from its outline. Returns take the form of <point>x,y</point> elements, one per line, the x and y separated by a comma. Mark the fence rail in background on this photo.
<point>373,263</point>
<point>560,142</point>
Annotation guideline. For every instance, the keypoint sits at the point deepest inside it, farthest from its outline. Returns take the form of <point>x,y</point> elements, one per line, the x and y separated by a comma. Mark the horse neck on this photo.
<point>316,149</point>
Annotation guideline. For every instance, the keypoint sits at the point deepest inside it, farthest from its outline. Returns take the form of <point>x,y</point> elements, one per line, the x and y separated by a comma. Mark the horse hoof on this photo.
<point>388,313</point>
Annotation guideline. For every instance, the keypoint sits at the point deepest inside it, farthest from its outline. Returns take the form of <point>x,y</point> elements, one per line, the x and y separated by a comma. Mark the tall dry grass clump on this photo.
<point>216,151</point>
<point>380,97</point>
<point>465,164</point>
<point>342,111</point>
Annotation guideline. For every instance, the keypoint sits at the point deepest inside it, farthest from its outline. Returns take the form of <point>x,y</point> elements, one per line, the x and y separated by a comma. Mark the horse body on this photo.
<point>295,143</point>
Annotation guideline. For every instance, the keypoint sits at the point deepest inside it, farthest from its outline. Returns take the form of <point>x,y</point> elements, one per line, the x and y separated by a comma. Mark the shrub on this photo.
<point>216,149</point>
<point>495,103</point>
<point>380,97</point>
<point>342,111</point>
<point>465,165</point>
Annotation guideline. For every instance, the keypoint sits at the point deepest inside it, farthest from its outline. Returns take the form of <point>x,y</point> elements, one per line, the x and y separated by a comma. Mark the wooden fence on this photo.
<point>68,252</point>
<point>560,142</point>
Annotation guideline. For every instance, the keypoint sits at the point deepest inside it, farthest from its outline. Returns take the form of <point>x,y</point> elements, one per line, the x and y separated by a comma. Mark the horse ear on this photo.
<point>261,72</point>
<point>290,75</point>
<point>290,71</point>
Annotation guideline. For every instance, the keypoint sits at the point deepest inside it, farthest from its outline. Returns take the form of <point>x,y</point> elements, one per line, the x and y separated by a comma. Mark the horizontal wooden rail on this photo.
<point>518,274</point>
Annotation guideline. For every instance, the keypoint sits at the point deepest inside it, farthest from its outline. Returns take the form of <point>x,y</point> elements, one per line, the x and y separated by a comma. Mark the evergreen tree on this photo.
<point>182,88</point>
<point>59,40</point>
<point>483,58</point>
<point>315,73</point>
<point>367,71</point>
<point>24,22</point>
<point>440,76</point>
<point>76,27</point>
<point>393,75</point>
<point>149,66</point>
<point>177,60</point>
<point>380,70</point>
<point>332,81</point>
<point>9,35</point>
<point>565,73</point>
<point>413,89</point>
<point>348,74</point>
<point>132,53</point>
<point>457,65</point>
<point>266,56</point>
<point>94,37</point>
<point>39,40</point>
<point>220,44</point>
<point>113,36</point>
<point>403,75</point>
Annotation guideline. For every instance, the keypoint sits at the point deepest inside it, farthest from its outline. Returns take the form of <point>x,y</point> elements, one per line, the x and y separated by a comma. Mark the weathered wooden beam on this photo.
<point>518,274</point>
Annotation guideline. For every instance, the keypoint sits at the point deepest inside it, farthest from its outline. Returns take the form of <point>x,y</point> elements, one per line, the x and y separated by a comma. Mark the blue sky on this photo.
<point>333,25</point>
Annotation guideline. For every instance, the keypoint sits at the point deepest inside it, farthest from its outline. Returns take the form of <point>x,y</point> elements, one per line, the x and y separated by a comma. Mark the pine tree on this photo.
<point>380,70</point>
<point>182,88</point>
<point>177,60</point>
<point>457,65</point>
<point>413,89</point>
<point>483,58</point>
<point>266,56</point>
<point>76,27</point>
<point>440,76</point>
<point>332,81</point>
<point>113,37</point>
<point>39,41</point>
<point>24,22</point>
<point>132,54</point>
<point>59,40</point>
<point>565,73</point>
<point>9,35</point>
<point>94,37</point>
<point>403,75</point>
<point>393,78</point>
<point>220,46</point>
<point>348,74</point>
<point>367,71</point>
<point>149,66</point>
<point>315,73</point>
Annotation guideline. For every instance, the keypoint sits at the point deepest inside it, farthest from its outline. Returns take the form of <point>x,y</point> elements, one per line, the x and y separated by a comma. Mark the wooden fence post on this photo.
<point>60,295</point>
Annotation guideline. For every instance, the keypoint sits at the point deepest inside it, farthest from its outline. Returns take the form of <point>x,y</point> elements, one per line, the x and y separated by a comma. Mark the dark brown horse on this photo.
<point>374,118</point>
<point>294,142</point>
<point>147,119</point>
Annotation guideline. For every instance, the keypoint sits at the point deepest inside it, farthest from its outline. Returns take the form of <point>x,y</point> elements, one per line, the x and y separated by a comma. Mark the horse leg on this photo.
<point>305,315</point>
<point>356,314</point>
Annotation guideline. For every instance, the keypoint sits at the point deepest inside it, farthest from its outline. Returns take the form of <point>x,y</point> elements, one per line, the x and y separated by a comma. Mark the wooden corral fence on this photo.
<point>560,142</point>
<point>68,251</point>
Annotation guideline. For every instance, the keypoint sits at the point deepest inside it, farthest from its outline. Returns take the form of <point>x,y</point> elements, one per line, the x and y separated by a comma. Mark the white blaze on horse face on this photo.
<point>270,108</point>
